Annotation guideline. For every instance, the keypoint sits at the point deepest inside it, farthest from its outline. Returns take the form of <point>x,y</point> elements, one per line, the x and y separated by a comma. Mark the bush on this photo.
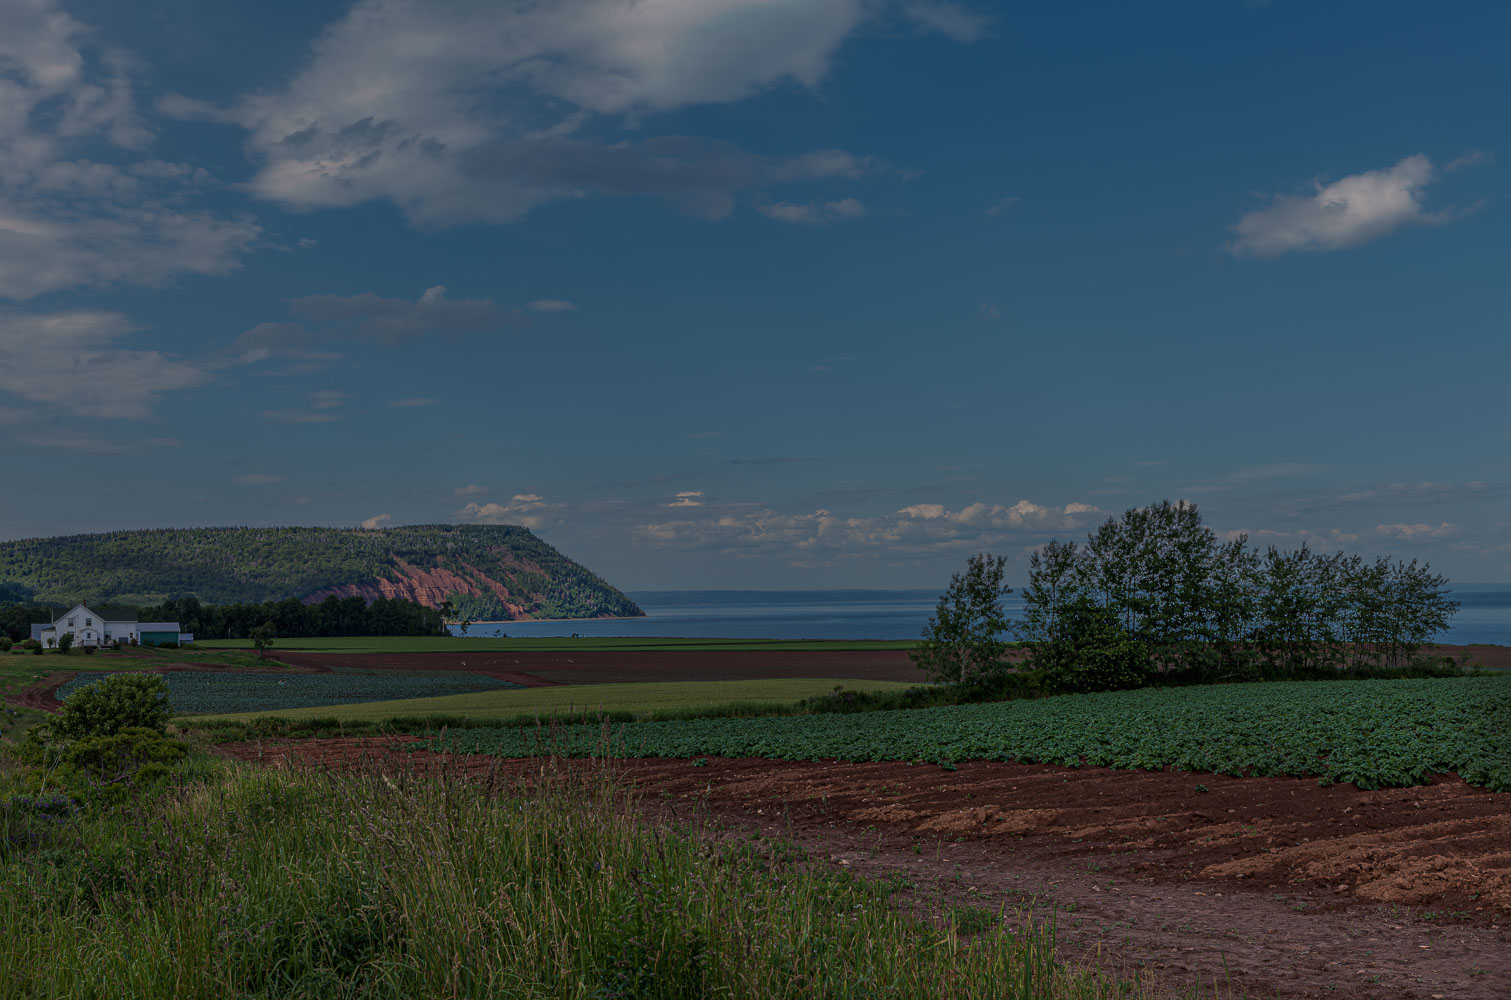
<point>65,642</point>
<point>32,645</point>
<point>5,643</point>
<point>88,650</point>
<point>117,703</point>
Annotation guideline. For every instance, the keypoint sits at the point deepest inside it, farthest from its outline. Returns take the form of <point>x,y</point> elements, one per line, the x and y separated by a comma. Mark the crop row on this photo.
<point>217,692</point>
<point>1372,733</point>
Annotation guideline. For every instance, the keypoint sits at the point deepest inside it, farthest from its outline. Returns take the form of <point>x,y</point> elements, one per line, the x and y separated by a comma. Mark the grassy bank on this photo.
<point>251,883</point>
<point>566,703</point>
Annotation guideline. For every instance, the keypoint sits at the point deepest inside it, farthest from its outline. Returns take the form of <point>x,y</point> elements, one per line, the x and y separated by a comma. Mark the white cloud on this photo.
<point>687,498</point>
<point>951,20</point>
<point>66,220</point>
<point>551,305</point>
<point>470,490</point>
<point>464,112</point>
<point>527,509</point>
<point>917,529</point>
<point>413,401</point>
<point>377,521</point>
<point>816,214</point>
<point>257,479</point>
<point>1417,532</point>
<point>72,360</point>
<point>1343,214</point>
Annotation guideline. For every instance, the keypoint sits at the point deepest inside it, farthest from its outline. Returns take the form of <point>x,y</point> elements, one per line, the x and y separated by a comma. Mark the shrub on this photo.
<point>32,645</point>
<point>88,650</point>
<point>65,642</point>
<point>5,643</point>
<point>117,703</point>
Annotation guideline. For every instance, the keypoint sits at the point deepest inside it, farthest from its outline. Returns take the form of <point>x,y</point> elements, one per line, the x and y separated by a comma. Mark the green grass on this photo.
<point>480,644</point>
<point>1373,732</point>
<point>578,700</point>
<point>215,692</point>
<point>266,883</point>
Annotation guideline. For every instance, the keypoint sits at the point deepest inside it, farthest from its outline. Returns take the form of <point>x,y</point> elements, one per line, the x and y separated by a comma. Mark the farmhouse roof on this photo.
<point>157,626</point>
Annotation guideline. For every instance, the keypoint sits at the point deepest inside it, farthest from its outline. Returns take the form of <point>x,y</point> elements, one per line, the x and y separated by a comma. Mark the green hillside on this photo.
<point>488,572</point>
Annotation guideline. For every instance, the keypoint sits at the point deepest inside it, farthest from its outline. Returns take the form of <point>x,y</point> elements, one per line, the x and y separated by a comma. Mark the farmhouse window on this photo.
<point>89,623</point>
<point>70,623</point>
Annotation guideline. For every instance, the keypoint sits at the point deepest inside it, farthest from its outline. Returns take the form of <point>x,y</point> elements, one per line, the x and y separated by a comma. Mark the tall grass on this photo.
<point>265,883</point>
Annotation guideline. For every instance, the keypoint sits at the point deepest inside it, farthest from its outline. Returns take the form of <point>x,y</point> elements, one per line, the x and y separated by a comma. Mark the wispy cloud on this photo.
<point>527,509</point>
<point>470,490</point>
<point>376,521</point>
<point>412,401</point>
<point>550,306</point>
<point>952,20</point>
<point>257,479</point>
<point>815,214</point>
<point>75,361</point>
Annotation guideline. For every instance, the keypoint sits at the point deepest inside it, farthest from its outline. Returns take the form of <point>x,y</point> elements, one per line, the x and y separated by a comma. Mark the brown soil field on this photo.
<point>43,694</point>
<point>609,667</point>
<point>1276,886</point>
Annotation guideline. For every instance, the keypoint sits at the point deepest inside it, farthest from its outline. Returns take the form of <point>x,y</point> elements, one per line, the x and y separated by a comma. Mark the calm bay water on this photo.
<point>1485,615</point>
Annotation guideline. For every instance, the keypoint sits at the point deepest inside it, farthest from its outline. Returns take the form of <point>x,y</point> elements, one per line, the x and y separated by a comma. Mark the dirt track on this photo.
<point>1302,891</point>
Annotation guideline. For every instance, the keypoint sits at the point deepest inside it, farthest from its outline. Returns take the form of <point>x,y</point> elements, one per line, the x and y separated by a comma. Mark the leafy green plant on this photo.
<point>116,703</point>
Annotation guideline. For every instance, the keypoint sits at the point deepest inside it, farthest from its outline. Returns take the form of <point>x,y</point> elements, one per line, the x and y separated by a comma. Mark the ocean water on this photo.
<point>1484,615</point>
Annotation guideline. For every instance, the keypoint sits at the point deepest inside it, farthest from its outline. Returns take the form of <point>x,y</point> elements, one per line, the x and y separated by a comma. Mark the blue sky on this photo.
<point>760,293</point>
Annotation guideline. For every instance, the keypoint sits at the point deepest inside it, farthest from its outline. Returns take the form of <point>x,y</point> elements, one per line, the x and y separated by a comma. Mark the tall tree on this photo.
<point>963,642</point>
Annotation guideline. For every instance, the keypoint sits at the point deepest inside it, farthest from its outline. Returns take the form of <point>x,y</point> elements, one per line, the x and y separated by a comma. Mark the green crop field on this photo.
<point>1373,733</point>
<point>577,699</point>
<point>489,644</point>
<point>202,692</point>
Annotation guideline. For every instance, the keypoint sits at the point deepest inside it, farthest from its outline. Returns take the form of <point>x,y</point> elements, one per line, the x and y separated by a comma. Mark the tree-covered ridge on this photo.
<point>486,571</point>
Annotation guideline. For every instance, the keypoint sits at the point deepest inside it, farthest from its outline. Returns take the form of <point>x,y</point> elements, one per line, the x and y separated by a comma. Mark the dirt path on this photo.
<point>1295,890</point>
<point>43,694</point>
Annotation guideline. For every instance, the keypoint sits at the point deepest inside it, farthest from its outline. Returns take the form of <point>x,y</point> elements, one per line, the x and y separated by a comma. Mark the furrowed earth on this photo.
<point>1266,887</point>
<point>1276,886</point>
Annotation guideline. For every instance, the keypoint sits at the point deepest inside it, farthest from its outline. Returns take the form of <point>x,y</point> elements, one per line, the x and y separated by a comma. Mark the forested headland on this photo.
<point>484,572</point>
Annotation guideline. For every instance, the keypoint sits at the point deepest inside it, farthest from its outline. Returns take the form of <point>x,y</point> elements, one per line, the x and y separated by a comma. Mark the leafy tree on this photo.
<point>963,640</point>
<point>65,643</point>
<point>1089,649</point>
<point>262,638</point>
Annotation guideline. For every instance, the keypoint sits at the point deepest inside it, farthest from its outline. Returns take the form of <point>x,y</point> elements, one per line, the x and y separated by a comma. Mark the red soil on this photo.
<point>1295,890</point>
<point>534,668</point>
<point>43,694</point>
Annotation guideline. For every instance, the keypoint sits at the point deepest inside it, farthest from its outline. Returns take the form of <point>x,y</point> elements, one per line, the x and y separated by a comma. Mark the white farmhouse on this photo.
<point>97,628</point>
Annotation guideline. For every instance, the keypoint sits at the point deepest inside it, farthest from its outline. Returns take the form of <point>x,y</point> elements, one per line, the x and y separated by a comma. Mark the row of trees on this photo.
<point>294,619</point>
<point>290,618</point>
<point>1156,591</point>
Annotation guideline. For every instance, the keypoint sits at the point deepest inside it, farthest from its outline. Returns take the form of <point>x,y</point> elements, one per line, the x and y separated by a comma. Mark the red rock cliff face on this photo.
<point>431,587</point>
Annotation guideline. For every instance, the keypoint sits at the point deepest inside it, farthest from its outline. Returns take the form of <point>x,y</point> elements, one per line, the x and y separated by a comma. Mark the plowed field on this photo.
<point>1294,890</point>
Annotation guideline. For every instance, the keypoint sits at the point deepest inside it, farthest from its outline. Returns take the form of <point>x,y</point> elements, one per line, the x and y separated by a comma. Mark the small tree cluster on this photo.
<point>1182,600</point>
